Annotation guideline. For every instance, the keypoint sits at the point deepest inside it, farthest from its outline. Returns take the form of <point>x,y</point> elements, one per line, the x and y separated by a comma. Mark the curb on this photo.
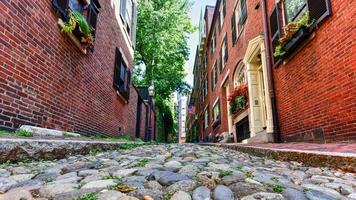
<point>20,149</point>
<point>335,160</point>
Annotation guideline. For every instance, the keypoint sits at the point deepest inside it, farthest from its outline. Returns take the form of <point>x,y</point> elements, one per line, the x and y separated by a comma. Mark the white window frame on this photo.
<point>206,118</point>
<point>214,106</point>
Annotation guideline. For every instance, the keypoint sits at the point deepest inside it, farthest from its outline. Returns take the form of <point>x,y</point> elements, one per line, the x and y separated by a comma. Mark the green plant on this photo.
<point>89,196</point>
<point>67,135</point>
<point>223,173</point>
<point>249,174</point>
<point>239,168</point>
<point>141,163</point>
<point>277,188</point>
<point>238,104</point>
<point>279,51</point>
<point>288,32</point>
<point>23,133</point>
<point>76,18</point>
<point>127,146</point>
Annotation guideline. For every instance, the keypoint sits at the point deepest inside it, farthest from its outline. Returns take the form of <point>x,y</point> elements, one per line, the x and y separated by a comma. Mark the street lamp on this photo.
<point>151,90</point>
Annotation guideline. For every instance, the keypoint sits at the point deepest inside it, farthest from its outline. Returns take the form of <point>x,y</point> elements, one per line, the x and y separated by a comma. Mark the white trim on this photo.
<point>224,79</point>
<point>216,101</point>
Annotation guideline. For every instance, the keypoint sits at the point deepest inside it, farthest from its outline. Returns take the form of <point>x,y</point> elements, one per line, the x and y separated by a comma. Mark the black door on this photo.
<point>243,129</point>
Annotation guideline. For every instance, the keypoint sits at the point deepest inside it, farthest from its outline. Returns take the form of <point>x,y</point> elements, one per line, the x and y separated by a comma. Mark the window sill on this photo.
<point>122,97</point>
<point>72,37</point>
<point>216,123</point>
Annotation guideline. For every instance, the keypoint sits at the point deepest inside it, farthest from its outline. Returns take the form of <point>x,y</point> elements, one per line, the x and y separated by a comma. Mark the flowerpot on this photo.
<point>300,36</point>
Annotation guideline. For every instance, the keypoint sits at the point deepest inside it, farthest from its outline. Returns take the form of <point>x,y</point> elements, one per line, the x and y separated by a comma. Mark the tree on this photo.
<point>163,27</point>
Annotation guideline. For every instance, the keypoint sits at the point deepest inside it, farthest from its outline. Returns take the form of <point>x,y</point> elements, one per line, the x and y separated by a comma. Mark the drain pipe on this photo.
<point>267,41</point>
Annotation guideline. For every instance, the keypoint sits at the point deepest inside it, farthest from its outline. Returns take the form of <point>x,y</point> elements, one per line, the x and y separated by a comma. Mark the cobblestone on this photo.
<point>172,172</point>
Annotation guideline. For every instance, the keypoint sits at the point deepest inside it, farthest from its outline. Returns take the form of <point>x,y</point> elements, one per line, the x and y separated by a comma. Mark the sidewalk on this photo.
<point>338,156</point>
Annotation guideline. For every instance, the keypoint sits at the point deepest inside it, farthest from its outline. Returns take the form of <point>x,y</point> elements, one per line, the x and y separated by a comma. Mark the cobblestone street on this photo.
<point>179,172</point>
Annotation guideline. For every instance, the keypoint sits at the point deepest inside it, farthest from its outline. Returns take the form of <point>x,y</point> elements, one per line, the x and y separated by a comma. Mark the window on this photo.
<point>220,22</point>
<point>225,52</point>
<point>241,16</point>
<point>214,77</point>
<point>216,111</point>
<point>233,29</point>
<point>213,44</point>
<point>76,5</point>
<point>122,76</point>
<point>206,118</point>
<point>240,75</point>
<point>224,7</point>
<point>293,9</point>
<point>128,15</point>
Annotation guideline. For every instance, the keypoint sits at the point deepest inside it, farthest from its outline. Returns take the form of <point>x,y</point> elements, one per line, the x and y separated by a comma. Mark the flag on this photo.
<point>191,109</point>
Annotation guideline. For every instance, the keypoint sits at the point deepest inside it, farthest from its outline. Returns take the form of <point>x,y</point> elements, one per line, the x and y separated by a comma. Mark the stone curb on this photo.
<point>19,149</point>
<point>336,160</point>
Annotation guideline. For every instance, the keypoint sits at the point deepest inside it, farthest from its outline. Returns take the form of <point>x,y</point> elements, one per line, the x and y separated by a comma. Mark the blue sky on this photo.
<point>198,5</point>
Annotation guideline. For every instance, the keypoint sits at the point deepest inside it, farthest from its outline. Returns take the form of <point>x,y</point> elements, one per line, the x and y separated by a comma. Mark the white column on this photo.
<point>269,120</point>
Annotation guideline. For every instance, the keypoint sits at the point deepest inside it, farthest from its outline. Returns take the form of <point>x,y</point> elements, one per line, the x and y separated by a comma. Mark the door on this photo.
<point>243,129</point>
<point>262,96</point>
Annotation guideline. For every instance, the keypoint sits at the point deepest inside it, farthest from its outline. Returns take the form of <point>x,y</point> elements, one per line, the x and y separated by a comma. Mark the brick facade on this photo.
<point>45,80</point>
<point>314,87</point>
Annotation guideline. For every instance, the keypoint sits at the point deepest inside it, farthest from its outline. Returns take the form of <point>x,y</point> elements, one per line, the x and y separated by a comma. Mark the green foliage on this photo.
<point>74,19</point>
<point>89,196</point>
<point>223,173</point>
<point>303,22</point>
<point>141,163</point>
<point>238,104</point>
<point>279,51</point>
<point>23,133</point>
<point>67,135</point>
<point>128,146</point>
<point>277,188</point>
<point>249,174</point>
<point>239,168</point>
<point>161,52</point>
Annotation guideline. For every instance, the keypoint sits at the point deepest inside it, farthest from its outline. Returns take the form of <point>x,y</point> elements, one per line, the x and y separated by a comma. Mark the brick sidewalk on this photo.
<point>340,148</point>
<point>338,156</point>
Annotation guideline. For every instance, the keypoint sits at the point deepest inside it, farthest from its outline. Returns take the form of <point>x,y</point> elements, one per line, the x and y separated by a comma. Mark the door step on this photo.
<point>261,137</point>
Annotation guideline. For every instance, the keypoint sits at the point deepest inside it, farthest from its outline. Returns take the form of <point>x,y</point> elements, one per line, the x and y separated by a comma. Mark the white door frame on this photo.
<point>255,47</point>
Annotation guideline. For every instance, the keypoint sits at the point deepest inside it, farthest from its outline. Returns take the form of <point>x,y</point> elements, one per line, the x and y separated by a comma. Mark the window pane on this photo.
<point>75,5</point>
<point>293,8</point>
<point>128,14</point>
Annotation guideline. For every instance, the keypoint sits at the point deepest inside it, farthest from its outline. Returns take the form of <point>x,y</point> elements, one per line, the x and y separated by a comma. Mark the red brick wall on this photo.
<point>316,88</point>
<point>253,27</point>
<point>46,81</point>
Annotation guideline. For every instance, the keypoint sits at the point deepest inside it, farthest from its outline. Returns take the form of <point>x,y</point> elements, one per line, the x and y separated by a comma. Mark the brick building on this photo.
<point>61,80</point>
<point>305,93</point>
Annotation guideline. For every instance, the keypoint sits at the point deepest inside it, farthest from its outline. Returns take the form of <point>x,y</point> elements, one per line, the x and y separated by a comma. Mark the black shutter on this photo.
<point>219,22</point>
<point>233,29</point>
<point>93,16</point>
<point>243,12</point>
<point>133,27</point>
<point>224,8</point>
<point>319,10</point>
<point>275,30</point>
<point>118,60</point>
<point>61,6</point>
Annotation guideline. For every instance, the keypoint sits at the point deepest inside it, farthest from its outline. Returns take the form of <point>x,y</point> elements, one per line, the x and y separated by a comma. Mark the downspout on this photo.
<point>267,41</point>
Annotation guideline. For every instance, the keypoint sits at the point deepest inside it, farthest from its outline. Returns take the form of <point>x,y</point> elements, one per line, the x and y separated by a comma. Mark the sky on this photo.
<point>194,13</point>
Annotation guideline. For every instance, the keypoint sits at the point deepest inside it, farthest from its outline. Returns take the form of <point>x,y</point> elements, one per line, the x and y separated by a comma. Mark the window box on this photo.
<point>298,38</point>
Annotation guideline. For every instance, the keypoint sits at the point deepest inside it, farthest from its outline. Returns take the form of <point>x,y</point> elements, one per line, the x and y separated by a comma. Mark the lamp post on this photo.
<point>151,93</point>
